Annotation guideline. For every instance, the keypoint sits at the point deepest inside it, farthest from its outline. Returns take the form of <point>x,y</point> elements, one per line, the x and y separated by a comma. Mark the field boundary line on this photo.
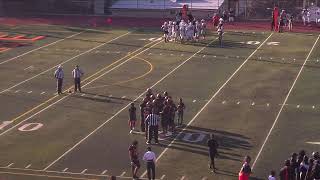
<point>284,102</point>
<point>64,62</point>
<point>125,107</point>
<point>208,102</point>
<point>38,106</point>
<point>41,47</point>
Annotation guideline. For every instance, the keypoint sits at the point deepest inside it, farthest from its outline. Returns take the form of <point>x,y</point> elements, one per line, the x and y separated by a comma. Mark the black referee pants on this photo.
<point>153,133</point>
<point>77,85</point>
<point>151,169</point>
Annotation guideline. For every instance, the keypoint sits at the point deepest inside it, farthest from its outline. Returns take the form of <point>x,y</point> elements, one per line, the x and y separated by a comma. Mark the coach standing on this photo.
<point>152,121</point>
<point>150,158</point>
<point>59,75</point>
<point>76,74</point>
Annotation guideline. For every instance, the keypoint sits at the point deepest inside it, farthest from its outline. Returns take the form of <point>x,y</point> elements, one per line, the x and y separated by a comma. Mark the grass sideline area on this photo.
<point>234,92</point>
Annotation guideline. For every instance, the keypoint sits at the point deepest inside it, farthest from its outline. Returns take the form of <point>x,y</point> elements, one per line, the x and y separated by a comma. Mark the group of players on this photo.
<point>184,30</point>
<point>163,106</point>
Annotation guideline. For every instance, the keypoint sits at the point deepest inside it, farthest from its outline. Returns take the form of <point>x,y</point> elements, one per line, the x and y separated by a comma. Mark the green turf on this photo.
<point>265,78</point>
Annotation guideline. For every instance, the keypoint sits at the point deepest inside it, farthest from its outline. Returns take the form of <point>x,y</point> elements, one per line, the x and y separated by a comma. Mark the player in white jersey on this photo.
<point>197,31</point>
<point>203,29</point>
<point>165,28</point>
<point>175,31</point>
<point>220,31</point>
<point>170,25</point>
<point>190,31</point>
<point>182,31</point>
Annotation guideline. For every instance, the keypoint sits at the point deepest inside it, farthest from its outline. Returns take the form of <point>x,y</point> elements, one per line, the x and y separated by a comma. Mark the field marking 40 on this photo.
<point>271,43</point>
<point>26,127</point>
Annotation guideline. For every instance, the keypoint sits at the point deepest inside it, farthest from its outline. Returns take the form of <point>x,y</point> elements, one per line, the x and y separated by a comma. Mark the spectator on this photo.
<point>231,15</point>
<point>215,20</point>
<point>316,171</point>
<point>150,158</point>
<point>304,16</point>
<point>225,15</point>
<point>272,175</point>
<point>245,171</point>
<point>294,165</point>
<point>285,172</point>
<point>309,172</point>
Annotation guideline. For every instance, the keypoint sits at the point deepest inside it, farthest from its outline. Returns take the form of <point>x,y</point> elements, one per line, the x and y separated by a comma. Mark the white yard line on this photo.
<point>98,128</point>
<point>284,102</point>
<point>74,57</point>
<point>214,95</point>
<point>47,45</point>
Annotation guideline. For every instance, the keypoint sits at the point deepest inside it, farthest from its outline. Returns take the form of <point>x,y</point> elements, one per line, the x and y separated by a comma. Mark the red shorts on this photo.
<point>132,123</point>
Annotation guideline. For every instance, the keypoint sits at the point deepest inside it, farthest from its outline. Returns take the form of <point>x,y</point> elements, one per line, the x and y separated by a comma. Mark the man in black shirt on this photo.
<point>213,151</point>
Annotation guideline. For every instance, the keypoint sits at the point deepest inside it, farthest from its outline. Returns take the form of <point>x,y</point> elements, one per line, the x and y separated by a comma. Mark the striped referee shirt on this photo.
<point>59,73</point>
<point>77,73</point>
<point>153,119</point>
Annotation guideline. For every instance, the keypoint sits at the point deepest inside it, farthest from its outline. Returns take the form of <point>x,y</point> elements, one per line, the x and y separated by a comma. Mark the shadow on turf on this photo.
<point>229,143</point>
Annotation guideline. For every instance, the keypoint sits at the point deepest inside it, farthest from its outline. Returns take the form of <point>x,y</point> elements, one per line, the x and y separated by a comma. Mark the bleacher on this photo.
<point>166,4</point>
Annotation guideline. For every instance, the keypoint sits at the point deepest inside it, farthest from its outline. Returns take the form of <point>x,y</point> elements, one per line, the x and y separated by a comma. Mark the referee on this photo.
<point>152,121</point>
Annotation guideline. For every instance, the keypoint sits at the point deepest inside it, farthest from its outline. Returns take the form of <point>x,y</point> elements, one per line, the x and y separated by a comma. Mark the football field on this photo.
<point>259,94</point>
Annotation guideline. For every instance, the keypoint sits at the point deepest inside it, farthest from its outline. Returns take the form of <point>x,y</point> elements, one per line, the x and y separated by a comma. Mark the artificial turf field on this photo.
<point>258,95</point>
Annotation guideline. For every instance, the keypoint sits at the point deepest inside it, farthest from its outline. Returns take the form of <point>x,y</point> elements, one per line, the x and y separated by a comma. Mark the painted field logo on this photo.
<point>8,41</point>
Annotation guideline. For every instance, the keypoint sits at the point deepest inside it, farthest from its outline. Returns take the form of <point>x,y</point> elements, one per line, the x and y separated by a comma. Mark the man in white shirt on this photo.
<point>59,75</point>
<point>76,74</point>
<point>150,158</point>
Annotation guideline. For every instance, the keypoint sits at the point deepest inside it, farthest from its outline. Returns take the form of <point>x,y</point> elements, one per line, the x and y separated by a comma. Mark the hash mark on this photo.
<point>105,171</point>
<point>65,170</point>
<point>84,171</point>
<point>27,167</point>
<point>10,165</point>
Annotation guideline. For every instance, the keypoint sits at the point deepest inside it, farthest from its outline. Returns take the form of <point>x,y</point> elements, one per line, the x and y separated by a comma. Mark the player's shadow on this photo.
<point>229,143</point>
<point>96,98</point>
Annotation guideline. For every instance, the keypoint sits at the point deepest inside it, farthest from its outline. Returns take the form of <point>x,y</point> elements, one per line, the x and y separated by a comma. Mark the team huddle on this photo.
<point>184,31</point>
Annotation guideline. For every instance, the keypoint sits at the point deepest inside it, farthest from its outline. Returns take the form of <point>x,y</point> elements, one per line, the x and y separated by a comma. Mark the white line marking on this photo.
<point>204,178</point>
<point>11,164</point>
<point>123,97</point>
<point>284,102</point>
<point>43,92</point>
<point>65,170</point>
<point>182,178</point>
<point>194,101</point>
<point>55,42</point>
<point>83,94</point>
<point>110,95</point>
<point>173,70</point>
<point>29,92</point>
<point>298,106</point>
<point>85,170</point>
<point>252,104</point>
<point>17,91</point>
<point>268,104</point>
<point>95,96</point>
<point>316,143</point>
<point>123,173</point>
<point>238,102</point>
<point>162,177</point>
<point>223,102</point>
<point>313,107</point>
<point>27,167</point>
<point>30,67</point>
<point>214,95</point>
<point>105,171</point>
<point>74,57</point>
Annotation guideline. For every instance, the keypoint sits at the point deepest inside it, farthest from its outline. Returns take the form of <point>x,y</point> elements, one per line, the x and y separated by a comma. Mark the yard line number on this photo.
<point>25,128</point>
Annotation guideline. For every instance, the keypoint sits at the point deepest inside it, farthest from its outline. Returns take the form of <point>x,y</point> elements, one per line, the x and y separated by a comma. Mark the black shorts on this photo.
<point>135,163</point>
